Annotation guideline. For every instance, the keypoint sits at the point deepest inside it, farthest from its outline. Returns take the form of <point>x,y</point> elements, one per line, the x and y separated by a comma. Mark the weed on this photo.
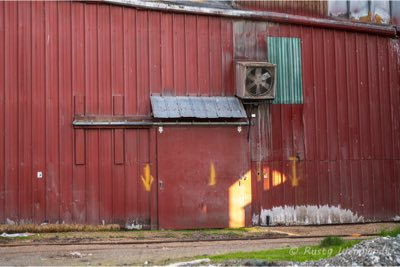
<point>392,233</point>
<point>332,241</point>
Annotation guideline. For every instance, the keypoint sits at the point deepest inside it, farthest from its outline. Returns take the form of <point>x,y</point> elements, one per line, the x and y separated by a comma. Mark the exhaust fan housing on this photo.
<point>255,80</point>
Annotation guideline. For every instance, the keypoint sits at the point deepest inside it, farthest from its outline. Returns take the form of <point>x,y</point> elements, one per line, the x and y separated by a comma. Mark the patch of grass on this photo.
<point>300,254</point>
<point>332,241</point>
<point>392,233</point>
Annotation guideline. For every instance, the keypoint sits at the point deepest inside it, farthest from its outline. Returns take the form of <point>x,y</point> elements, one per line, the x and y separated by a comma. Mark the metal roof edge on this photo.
<point>261,15</point>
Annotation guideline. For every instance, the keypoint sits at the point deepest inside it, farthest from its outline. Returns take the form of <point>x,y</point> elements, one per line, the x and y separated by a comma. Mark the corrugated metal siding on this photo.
<point>302,7</point>
<point>197,107</point>
<point>345,133</point>
<point>64,58</point>
<point>286,54</point>
<point>61,59</point>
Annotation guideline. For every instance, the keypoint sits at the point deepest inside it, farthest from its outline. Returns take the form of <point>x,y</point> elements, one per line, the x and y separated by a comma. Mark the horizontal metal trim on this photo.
<point>78,123</point>
<point>261,15</point>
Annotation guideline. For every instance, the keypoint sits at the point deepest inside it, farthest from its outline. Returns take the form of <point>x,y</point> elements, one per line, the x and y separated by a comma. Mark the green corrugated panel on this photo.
<point>286,54</point>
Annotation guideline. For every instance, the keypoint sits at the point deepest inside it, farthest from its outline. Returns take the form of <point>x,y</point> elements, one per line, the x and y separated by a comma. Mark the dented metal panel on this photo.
<point>197,107</point>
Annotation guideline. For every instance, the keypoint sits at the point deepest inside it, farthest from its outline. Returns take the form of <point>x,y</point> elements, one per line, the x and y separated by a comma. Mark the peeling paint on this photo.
<point>10,222</point>
<point>256,219</point>
<point>133,226</point>
<point>304,215</point>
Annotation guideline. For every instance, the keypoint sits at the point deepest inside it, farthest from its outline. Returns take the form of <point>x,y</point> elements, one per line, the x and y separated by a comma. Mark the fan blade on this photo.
<point>248,86</point>
<point>258,72</point>
<point>266,85</point>
<point>250,76</point>
<point>258,90</point>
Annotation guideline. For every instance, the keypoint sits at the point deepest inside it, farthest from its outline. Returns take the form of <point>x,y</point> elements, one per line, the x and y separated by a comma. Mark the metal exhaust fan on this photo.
<point>255,80</point>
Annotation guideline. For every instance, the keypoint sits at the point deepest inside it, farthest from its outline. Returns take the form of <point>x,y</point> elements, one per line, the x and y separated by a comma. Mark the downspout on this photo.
<point>384,30</point>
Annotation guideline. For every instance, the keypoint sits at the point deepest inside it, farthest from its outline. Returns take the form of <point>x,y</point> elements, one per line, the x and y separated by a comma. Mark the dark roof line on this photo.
<point>176,6</point>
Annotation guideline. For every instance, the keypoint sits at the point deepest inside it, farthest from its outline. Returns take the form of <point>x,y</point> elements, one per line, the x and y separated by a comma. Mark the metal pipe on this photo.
<point>80,123</point>
<point>389,31</point>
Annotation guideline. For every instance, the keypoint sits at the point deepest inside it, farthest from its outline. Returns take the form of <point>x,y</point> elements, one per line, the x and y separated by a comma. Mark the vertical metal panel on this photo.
<point>130,66</point>
<point>24,111</point>
<point>52,119</point>
<point>78,87</point>
<point>11,108</point>
<point>167,52</point>
<point>179,54</point>
<point>2,112</point>
<point>191,48</point>
<point>204,72</point>
<point>286,54</point>
<point>65,111</point>
<point>155,61</point>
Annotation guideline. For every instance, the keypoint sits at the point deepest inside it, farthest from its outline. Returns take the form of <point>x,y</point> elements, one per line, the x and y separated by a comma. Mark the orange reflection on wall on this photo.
<point>239,198</point>
<point>272,178</point>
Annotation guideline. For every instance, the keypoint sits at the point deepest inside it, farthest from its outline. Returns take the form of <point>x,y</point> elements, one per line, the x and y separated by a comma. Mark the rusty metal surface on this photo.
<point>271,16</point>
<point>302,7</point>
<point>197,107</point>
<point>203,183</point>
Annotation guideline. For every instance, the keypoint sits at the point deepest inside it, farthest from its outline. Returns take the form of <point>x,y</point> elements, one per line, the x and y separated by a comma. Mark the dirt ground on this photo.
<point>160,247</point>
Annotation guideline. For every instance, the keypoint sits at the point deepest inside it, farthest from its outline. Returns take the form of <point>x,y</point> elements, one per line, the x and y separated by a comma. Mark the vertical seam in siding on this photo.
<point>136,62</point>
<point>17,122</point>
<point>222,87</point>
<point>124,149</point>
<point>316,156</point>
<point>324,58</point>
<point>360,156</point>
<point>4,106</point>
<point>58,108</point>
<point>348,117</point>
<point>31,100</point>
<point>45,117</point>
<point>98,111</point>
<point>390,95</point>
<point>348,96</point>
<point>85,101</point>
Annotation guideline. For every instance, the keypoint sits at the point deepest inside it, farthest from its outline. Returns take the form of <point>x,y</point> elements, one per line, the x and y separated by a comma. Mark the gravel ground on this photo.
<point>383,251</point>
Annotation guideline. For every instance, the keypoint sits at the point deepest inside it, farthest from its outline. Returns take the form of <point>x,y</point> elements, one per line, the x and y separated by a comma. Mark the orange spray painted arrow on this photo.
<point>147,179</point>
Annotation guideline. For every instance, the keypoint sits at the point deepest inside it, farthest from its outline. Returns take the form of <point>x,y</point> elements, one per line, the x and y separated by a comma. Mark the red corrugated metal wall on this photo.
<point>347,131</point>
<point>61,59</point>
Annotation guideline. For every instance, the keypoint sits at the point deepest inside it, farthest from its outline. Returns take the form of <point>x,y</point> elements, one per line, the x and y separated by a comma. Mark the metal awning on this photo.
<point>200,107</point>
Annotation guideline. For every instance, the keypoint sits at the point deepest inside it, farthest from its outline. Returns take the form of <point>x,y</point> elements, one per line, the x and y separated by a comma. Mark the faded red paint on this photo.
<point>61,59</point>
<point>346,132</point>
<point>196,177</point>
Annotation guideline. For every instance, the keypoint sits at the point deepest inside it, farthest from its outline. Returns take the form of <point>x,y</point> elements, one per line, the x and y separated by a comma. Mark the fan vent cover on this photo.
<point>255,80</point>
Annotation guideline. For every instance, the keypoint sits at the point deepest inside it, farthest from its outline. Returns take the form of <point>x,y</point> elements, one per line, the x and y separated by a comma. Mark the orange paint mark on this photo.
<point>147,179</point>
